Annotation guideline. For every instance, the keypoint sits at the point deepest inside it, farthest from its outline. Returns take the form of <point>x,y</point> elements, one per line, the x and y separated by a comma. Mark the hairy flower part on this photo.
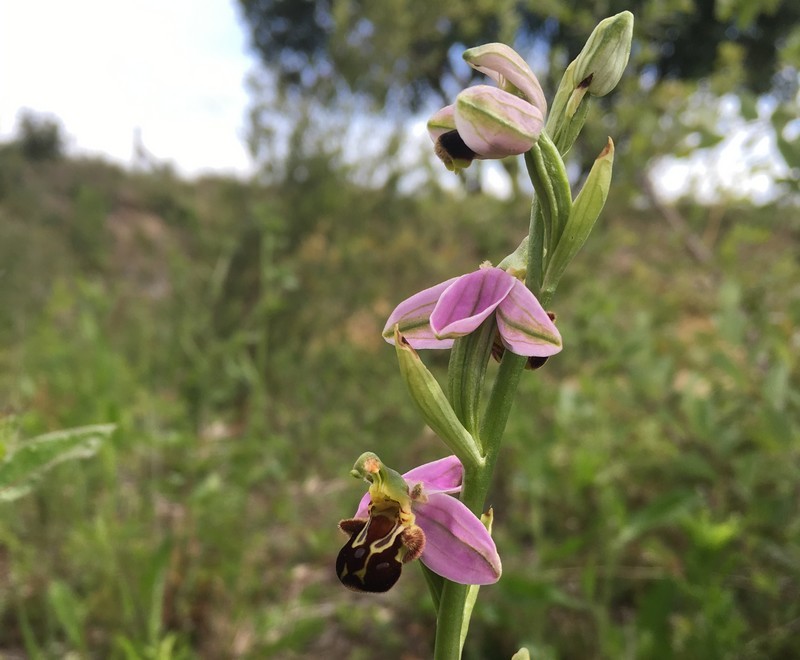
<point>490,122</point>
<point>422,521</point>
<point>435,317</point>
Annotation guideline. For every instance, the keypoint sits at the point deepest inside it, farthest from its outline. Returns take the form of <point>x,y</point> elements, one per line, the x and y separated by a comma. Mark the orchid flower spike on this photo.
<point>410,516</point>
<point>435,317</point>
<point>491,122</point>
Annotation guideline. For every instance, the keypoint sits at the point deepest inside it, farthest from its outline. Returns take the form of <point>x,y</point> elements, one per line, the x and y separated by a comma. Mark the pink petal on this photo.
<point>442,476</point>
<point>441,122</point>
<point>469,301</point>
<point>457,545</point>
<point>413,318</point>
<point>496,124</point>
<point>499,61</point>
<point>363,507</point>
<point>524,326</point>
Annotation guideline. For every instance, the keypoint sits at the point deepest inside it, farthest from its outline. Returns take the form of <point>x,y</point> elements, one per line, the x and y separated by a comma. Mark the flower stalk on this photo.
<point>498,311</point>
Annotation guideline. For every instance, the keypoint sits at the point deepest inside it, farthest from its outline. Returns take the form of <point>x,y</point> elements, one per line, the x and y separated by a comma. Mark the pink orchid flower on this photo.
<point>435,317</point>
<point>491,122</point>
<point>413,516</point>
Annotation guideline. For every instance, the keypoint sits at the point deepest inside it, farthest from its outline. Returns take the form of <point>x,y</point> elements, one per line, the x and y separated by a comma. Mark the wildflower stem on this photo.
<point>554,198</point>
<point>557,230</point>
<point>452,621</point>
<point>535,268</point>
<point>453,616</point>
<point>466,372</point>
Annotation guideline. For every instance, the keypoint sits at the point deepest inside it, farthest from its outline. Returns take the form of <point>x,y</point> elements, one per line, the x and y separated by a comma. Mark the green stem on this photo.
<point>451,621</point>
<point>476,484</point>
<point>469,358</point>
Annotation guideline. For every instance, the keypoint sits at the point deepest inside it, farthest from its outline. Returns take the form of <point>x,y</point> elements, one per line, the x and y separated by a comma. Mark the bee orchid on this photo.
<point>410,516</point>
<point>490,122</point>
<point>433,318</point>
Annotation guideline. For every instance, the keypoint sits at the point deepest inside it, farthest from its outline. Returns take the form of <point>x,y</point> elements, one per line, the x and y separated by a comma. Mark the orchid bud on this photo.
<point>496,124</point>
<point>600,64</point>
<point>505,66</point>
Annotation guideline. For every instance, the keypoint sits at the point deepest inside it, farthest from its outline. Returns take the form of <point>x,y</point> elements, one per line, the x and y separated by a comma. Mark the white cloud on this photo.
<point>173,69</point>
<point>744,165</point>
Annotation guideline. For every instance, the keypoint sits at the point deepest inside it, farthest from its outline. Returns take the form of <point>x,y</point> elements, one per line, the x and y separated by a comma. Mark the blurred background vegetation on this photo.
<point>647,496</point>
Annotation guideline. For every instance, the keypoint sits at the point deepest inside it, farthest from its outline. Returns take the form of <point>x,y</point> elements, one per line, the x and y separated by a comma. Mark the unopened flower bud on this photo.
<point>600,64</point>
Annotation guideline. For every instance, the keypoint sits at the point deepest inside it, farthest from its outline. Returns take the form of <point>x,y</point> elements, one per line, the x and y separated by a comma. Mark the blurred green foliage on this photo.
<point>40,137</point>
<point>646,500</point>
<point>25,462</point>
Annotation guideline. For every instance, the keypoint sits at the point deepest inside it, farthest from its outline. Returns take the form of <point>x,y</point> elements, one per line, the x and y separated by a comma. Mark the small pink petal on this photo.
<point>413,318</point>
<point>442,476</point>
<point>457,545</point>
<point>363,507</point>
<point>441,122</point>
<point>469,301</point>
<point>524,326</point>
<point>501,62</point>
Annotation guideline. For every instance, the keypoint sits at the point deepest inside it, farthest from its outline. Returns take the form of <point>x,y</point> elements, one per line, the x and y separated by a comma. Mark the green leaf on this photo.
<point>26,463</point>
<point>664,510</point>
<point>435,584</point>
<point>69,611</point>
<point>583,214</point>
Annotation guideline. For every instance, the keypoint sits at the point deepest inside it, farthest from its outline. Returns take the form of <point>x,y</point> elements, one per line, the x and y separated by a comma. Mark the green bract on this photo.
<point>584,213</point>
<point>434,406</point>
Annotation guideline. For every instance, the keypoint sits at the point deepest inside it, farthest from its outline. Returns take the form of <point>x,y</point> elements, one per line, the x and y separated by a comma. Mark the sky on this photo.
<point>174,70</point>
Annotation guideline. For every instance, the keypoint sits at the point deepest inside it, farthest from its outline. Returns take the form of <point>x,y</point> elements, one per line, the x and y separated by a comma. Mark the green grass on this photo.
<point>646,498</point>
